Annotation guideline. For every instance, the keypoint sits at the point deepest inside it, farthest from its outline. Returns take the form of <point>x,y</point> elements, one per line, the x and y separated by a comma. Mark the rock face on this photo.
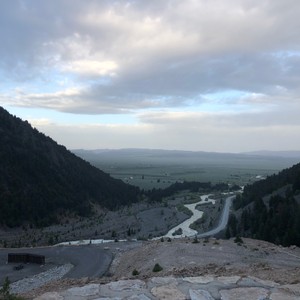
<point>171,288</point>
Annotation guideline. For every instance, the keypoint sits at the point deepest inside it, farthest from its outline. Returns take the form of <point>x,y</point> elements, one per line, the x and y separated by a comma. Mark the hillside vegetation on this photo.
<point>270,209</point>
<point>40,180</point>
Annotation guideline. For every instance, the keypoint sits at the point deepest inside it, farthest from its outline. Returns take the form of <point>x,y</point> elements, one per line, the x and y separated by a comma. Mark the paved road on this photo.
<point>223,221</point>
<point>88,261</point>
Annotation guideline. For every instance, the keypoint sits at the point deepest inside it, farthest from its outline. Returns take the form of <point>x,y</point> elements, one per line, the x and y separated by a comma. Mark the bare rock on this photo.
<point>121,285</point>
<point>168,292</point>
<point>50,296</point>
<point>293,289</point>
<point>84,291</point>
<point>251,293</point>
<point>200,295</point>
<point>199,279</point>
<point>163,280</point>
<point>229,279</point>
<point>267,283</point>
<point>139,297</point>
<point>282,295</point>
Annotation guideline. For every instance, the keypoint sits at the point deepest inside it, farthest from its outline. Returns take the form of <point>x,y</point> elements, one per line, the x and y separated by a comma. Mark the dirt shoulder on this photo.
<point>211,256</point>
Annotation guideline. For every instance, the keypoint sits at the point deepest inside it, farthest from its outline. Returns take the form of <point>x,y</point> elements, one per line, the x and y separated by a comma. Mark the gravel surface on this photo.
<point>182,257</point>
<point>90,260</point>
<point>33,282</point>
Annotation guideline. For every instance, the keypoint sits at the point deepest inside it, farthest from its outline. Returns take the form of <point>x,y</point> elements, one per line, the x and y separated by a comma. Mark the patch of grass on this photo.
<point>157,268</point>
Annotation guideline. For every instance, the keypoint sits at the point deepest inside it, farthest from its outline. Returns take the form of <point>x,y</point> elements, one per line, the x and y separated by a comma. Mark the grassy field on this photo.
<point>158,169</point>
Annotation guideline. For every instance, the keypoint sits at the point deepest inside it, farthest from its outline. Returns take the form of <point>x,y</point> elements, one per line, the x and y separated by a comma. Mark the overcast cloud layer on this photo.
<point>200,75</point>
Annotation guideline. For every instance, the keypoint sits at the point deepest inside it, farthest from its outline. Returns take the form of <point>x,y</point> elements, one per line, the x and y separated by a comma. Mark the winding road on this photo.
<point>223,221</point>
<point>197,214</point>
<point>88,261</point>
<point>94,260</point>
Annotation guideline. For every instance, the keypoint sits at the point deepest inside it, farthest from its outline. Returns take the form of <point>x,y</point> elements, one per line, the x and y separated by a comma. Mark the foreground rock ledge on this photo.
<point>194,288</point>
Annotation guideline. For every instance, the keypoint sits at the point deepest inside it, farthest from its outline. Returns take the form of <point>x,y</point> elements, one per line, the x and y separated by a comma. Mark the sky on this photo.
<point>200,75</point>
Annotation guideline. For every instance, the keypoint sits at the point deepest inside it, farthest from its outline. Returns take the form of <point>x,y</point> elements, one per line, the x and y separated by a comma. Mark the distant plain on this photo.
<point>160,168</point>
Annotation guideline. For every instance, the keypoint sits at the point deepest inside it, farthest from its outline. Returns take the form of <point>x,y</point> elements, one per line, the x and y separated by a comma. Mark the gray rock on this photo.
<point>229,279</point>
<point>108,298</point>
<point>200,295</point>
<point>50,296</point>
<point>293,289</point>
<point>267,283</point>
<point>139,297</point>
<point>168,292</point>
<point>248,293</point>
<point>121,285</point>
<point>282,295</point>
<point>84,291</point>
<point>200,279</point>
<point>163,280</point>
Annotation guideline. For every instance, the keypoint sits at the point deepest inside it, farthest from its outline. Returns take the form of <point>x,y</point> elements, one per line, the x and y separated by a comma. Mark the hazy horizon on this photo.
<point>201,75</point>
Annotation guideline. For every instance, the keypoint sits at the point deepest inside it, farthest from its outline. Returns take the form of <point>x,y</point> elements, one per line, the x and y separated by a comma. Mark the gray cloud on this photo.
<point>166,53</point>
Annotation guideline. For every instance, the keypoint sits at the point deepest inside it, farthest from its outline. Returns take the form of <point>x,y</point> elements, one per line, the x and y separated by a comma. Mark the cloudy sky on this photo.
<point>209,75</point>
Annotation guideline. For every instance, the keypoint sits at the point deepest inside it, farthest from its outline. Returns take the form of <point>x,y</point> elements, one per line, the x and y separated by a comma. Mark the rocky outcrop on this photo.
<point>194,288</point>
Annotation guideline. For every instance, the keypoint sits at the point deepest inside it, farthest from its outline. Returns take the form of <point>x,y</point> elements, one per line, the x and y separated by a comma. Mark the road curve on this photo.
<point>88,261</point>
<point>223,221</point>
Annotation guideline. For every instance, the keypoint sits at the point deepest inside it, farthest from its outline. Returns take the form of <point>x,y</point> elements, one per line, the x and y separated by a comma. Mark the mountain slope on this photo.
<point>270,209</point>
<point>40,179</point>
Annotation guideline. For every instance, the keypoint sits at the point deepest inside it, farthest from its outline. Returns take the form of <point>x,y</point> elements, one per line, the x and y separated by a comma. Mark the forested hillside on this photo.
<point>270,209</point>
<point>39,179</point>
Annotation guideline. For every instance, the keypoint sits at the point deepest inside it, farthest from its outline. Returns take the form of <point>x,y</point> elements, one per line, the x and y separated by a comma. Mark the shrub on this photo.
<point>135,272</point>
<point>195,240</point>
<point>157,268</point>
<point>5,292</point>
<point>238,240</point>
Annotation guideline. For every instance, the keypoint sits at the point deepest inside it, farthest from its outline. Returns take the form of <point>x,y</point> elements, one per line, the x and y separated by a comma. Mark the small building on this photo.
<point>26,258</point>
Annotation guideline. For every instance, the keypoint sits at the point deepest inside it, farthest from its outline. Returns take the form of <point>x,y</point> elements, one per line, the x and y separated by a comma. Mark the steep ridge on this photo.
<point>270,209</point>
<point>40,180</point>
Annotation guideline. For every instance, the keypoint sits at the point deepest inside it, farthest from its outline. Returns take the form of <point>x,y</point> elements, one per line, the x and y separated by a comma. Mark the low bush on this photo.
<point>157,268</point>
<point>238,240</point>
<point>5,292</point>
<point>135,272</point>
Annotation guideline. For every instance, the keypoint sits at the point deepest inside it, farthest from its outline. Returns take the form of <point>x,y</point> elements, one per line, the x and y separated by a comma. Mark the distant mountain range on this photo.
<point>288,154</point>
<point>140,152</point>
<point>259,159</point>
<point>40,181</point>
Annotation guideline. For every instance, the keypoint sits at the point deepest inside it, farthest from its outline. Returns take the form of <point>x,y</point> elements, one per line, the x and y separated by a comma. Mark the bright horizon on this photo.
<point>187,75</point>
